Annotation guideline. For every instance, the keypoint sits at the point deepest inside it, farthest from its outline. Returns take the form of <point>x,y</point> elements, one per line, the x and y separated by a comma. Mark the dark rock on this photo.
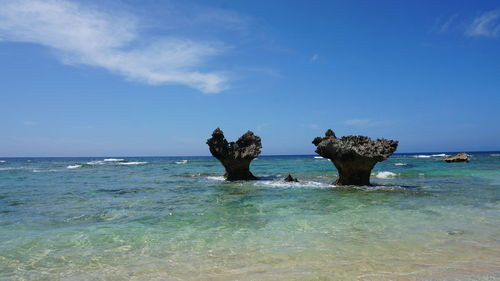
<point>354,156</point>
<point>289,178</point>
<point>235,156</point>
<point>461,157</point>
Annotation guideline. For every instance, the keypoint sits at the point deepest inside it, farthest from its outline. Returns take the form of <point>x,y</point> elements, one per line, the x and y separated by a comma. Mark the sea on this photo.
<point>175,218</point>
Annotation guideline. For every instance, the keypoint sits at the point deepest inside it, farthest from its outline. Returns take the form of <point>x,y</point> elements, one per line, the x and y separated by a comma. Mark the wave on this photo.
<point>44,171</point>
<point>74,166</point>
<point>495,155</point>
<point>400,164</point>
<point>2,161</point>
<point>300,184</point>
<point>113,160</point>
<point>319,157</point>
<point>385,175</point>
<point>132,163</point>
<point>218,178</point>
<point>95,163</point>
<point>422,156</point>
<point>439,155</point>
<point>181,162</point>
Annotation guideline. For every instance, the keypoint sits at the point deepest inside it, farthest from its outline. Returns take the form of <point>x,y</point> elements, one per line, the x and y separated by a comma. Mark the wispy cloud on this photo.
<point>262,126</point>
<point>314,58</point>
<point>444,25</point>
<point>111,40</point>
<point>359,122</point>
<point>485,25</point>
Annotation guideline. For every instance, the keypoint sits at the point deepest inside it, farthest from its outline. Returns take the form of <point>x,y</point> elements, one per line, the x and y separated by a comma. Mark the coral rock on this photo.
<point>354,156</point>
<point>235,156</point>
<point>461,157</point>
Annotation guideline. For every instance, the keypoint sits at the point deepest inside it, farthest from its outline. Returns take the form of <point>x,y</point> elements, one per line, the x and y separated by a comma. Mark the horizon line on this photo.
<point>265,155</point>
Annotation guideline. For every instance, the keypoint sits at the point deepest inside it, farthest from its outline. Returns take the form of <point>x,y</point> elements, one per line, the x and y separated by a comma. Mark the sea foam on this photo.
<point>181,162</point>
<point>385,175</point>
<point>2,161</point>
<point>113,160</point>
<point>401,164</point>
<point>132,163</point>
<point>422,156</point>
<point>74,166</point>
<point>218,178</point>
<point>439,155</point>
<point>95,163</point>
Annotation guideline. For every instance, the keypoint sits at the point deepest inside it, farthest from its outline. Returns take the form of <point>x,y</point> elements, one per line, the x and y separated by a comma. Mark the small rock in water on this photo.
<point>461,157</point>
<point>455,232</point>
<point>289,178</point>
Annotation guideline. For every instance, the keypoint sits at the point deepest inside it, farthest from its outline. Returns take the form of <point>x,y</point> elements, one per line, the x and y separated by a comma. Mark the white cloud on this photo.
<point>111,40</point>
<point>486,25</point>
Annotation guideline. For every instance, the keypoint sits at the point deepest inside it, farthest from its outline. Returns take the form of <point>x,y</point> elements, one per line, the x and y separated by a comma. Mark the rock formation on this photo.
<point>289,178</point>
<point>461,157</point>
<point>235,156</point>
<point>354,156</point>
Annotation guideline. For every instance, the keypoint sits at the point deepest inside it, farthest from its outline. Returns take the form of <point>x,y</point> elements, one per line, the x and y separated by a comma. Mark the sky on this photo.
<point>155,78</point>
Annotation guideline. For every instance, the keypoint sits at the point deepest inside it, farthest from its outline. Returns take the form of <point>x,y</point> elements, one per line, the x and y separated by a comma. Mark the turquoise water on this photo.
<point>175,219</point>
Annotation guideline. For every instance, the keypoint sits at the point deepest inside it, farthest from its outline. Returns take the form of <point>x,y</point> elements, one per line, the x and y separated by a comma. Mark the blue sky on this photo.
<point>125,78</point>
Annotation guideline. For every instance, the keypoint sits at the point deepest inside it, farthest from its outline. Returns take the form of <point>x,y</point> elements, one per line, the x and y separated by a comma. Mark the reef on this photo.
<point>460,157</point>
<point>235,156</point>
<point>354,156</point>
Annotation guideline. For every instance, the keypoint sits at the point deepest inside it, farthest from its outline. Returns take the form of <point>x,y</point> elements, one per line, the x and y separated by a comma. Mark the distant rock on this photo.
<point>289,178</point>
<point>235,156</point>
<point>461,157</point>
<point>354,156</point>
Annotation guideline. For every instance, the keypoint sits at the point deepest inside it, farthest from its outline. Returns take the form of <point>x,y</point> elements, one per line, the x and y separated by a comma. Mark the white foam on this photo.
<point>300,184</point>
<point>495,155</point>
<point>2,161</point>
<point>74,166</point>
<point>95,163</point>
<point>132,163</point>
<point>181,162</point>
<point>439,155</point>
<point>422,156</point>
<point>385,175</point>
<point>113,160</point>
<point>401,164</point>
<point>219,178</point>
<point>318,157</point>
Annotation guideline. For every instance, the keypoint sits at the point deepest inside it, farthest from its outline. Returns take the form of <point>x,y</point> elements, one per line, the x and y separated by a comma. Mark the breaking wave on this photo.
<point>216,178</point>
<point>113,160</point>
<point>385,175</point>
<point>181,162</point>
<point>74,166</point>
<point>132,163</point>
<point>422,156</point>
<point>95,163</point>
<point>401,164</point>
<point>300,184</point>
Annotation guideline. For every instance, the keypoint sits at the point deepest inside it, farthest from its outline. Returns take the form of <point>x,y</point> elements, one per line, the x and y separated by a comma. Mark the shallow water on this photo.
<point>171,219</point>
